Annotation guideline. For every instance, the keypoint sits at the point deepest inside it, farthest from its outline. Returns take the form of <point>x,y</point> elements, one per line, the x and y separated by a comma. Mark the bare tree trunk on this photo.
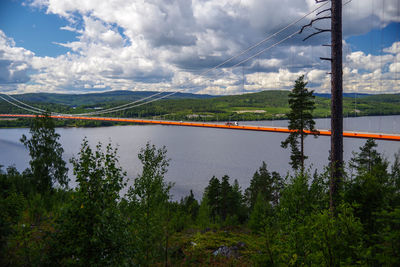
<point>336,104</point>
<point>302,151</point>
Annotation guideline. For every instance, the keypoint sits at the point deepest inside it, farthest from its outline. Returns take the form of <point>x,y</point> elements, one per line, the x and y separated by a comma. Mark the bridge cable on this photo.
<point>175,92</point>
<point>241,62</point>
<point>201,74</point>
<point>213,68</point>
<point>21,107</point>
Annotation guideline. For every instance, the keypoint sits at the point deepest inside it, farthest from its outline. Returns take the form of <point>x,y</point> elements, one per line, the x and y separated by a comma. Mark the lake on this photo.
<point>199,153</point>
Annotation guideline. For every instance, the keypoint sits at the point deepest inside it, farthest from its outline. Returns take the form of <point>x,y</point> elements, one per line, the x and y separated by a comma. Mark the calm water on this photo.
<point>199,153</point>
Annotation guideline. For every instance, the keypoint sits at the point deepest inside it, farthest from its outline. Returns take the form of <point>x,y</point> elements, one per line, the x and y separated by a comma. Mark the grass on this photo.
<point>195,248</point>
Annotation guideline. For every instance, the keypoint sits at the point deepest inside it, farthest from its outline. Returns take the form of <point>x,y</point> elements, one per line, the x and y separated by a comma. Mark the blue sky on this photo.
<point>375,40</point>
<point>33,29</point>
<point>81,46</point>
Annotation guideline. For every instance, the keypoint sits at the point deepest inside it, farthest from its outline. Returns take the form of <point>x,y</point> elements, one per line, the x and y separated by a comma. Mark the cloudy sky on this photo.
<point>166,45</point>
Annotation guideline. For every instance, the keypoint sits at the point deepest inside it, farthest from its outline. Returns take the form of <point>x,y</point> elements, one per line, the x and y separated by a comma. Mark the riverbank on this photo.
<point>6,123</point>
<point>265,105</point>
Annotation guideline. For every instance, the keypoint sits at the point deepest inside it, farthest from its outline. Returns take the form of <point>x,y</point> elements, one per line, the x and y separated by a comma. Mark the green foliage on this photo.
<point>367,159</point>
<point>213,196</point>
<point>224,200</point>
<point>13,181</point>
<point>269,185</point>
<point>11,207</point>
<point>203,220</point>
<point>46,164</point>
<point>289,221</point>
<point>91,230</point>
<point>190,206</point>
<point>302,232</point>
<point>259,214</point>
<point>273,104</point>
<point>395,179</point>
<point>237,202</point>
<point>301,103</point>
<point>184,106</point>
<point>388,249</point>
<point>149,207</point>
<point>370,189</point>
<point>335,240</point>
<point>295,202</point>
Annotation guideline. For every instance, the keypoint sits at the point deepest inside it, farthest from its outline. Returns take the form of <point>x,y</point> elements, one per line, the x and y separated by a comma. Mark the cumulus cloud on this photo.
<point>316,76</point>
<point>14,61</point>
<point>393,49</point>
<point>368,62</point>
<point>168,45</point>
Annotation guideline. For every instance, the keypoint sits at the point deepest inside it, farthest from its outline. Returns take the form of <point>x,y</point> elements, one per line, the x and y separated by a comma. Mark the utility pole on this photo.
<point>336,155</point>
<point>336,103</point>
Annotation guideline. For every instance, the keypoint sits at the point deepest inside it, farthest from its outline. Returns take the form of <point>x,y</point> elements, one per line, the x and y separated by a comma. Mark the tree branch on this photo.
<point>315,33</point>
<point>312,21</point>
<point>328,9</point>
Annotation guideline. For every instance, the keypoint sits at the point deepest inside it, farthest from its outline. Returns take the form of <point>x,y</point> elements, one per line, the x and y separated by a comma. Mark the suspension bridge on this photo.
<point>158,96</point>
<point>347,134</point>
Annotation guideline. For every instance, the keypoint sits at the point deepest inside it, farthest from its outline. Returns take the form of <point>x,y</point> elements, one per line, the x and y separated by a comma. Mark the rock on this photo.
<point>227,251</point>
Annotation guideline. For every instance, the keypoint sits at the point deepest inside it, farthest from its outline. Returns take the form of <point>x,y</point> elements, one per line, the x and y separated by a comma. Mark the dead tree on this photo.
<point>336,153</point>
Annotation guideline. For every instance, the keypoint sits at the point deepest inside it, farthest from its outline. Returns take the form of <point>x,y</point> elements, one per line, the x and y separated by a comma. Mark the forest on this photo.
<point>277,221</point>
<point>265,105</point>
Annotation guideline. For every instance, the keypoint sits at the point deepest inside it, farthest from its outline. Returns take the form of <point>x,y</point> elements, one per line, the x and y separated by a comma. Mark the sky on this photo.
<point>80,46</point>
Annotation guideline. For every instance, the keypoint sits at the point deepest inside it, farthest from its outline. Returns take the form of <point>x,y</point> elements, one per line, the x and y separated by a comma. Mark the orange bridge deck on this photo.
<point>365,135</point>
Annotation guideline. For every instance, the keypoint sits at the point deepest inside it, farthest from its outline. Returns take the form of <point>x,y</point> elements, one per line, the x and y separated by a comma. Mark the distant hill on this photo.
<point>270,104</point>
<point>99,98</point>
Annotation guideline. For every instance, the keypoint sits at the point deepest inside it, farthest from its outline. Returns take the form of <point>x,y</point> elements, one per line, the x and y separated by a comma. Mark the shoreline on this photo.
<point>91,124</point>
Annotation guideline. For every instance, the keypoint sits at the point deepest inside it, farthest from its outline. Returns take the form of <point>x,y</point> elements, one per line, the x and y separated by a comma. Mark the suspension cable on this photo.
<point>132,104</point>
<point>122,107</point>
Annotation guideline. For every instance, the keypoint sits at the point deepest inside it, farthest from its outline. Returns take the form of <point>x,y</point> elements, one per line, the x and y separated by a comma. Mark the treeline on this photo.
<point>272,104</point>
<point>276,221</point>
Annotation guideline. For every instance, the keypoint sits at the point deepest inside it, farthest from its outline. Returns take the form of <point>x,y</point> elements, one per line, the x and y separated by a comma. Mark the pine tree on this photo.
<point>258,215</point>
<point>372,188</point>
<point>203,219</point>
<point>190,205</point>
<point>237,202</point>
<point>226,197</point>
<point>269,185</point>
<point>213,196</point>
<point>301,103</point>
<point>367,158</point>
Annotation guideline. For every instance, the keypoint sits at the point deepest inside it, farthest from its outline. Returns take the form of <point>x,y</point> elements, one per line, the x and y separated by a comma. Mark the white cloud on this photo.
<point>14,61</point>
<point>283,79</point>
<point>394,67</point>
<point>162,45</point>
<point>393,49</point>
<point>317,76</point>
<point>269,63</point>
<point>368,62</point>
